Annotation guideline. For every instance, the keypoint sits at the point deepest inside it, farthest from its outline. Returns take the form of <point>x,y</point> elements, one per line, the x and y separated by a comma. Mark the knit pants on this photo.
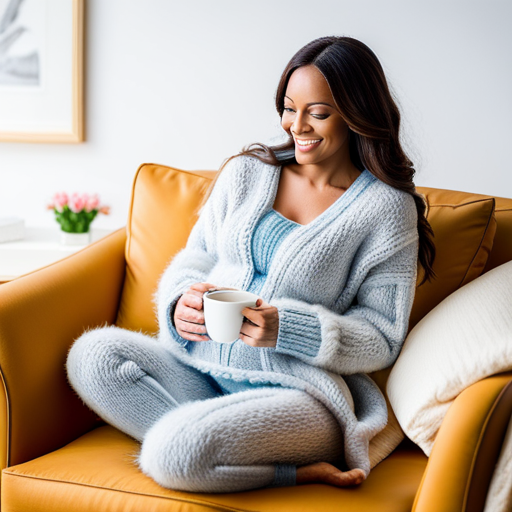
<point>194,437</point>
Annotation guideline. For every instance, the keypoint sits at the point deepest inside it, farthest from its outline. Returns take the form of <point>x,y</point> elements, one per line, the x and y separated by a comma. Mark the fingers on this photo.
<point>189,314</point>
<point>206,287</point>
<point>190,327</point>
<point>252,316</point>
<point>258,336</point>
<point>260,314</point>
<point>188,310</point>
<point>198,289</point>
<point>191,331</point>
<point>255,318</point>
<point>202,287</point>
<point>193,297</point>
<point>189,317</point>
<point>261,305</point>
<point>250,333</point>
<point>261,325</point>
<point>192,300</point>
<point>193,337</point>
<point>190,323</point>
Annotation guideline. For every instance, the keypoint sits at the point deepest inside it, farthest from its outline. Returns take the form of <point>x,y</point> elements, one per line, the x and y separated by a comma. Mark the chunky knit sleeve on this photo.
<point>368,336</point>
<point>194,262</point>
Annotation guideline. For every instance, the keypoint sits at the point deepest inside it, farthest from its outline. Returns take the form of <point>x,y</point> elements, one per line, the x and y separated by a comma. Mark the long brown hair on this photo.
<point>360,90</point>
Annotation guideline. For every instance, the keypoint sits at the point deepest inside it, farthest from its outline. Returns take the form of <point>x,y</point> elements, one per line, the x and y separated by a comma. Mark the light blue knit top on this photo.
<point>269,234</point>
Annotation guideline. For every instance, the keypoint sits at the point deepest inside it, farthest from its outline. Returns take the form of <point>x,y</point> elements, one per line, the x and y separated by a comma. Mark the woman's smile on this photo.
<point>305,145</point>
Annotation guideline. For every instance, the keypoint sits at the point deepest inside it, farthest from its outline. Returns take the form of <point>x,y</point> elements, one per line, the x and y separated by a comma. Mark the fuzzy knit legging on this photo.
<point>194,437</point>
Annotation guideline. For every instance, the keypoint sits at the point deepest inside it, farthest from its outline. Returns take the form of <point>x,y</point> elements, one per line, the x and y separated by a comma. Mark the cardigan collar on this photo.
<point>357,186</point>
<point>304,232</point>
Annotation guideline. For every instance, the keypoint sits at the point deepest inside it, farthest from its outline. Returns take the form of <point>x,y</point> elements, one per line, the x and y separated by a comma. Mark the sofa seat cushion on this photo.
<point>97,473</point>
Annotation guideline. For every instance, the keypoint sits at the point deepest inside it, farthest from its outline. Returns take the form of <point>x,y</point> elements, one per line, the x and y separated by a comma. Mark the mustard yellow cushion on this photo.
<point>502,246</point>
<point>97,473</point>
<point>464,227</point>
<point>163,211</point>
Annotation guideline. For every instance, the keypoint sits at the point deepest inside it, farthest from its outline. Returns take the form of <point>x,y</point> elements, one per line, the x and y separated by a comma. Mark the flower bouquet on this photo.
<point>75,214</point>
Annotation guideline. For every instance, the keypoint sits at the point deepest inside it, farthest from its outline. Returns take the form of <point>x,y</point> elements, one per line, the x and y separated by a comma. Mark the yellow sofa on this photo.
<point>57,455</point>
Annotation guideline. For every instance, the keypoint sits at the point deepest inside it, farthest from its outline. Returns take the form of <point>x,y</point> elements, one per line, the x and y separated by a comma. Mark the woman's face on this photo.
<point>310,116</point>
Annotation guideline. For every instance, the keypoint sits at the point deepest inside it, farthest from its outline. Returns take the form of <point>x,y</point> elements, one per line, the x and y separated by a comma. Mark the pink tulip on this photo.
<point>60,199</point>
<point>77,202</point>
<point>92,203</point>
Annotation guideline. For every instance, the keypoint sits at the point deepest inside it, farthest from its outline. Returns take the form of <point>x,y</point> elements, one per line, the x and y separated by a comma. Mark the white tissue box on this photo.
<point>11,228</point>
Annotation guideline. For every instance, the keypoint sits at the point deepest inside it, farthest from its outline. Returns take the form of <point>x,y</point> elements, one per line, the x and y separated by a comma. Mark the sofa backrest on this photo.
<point>164,208</point>
<point>502,246</point>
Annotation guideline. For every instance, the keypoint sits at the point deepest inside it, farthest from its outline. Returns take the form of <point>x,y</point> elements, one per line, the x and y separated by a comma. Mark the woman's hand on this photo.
<point>189,314</point>
<point>261,326</point>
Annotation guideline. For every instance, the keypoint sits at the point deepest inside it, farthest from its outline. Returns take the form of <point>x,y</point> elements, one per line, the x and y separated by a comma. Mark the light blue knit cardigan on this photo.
<point>349,275</point>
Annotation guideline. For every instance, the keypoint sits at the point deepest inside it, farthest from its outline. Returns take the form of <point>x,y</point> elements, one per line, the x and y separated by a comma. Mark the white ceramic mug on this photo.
<point>223,313</point>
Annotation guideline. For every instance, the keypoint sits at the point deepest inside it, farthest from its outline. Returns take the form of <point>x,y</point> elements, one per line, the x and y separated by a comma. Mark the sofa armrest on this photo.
<point>467,448</point>
<point>41,313</point>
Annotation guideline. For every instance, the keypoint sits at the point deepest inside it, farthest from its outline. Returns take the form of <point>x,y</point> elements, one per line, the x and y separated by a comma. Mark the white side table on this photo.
<point>40,247</point>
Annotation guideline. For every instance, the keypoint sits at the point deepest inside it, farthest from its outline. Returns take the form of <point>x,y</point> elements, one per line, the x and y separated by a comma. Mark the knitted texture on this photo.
<point>269,234</point>
<point>240,441</point>
<point>194,437</point>
<point>343,285</point>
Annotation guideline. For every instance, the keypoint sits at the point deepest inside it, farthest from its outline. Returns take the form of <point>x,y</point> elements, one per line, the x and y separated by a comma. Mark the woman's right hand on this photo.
<point>189,314</point>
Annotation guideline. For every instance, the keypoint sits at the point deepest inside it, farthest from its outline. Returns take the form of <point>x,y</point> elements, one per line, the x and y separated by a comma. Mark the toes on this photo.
<point>358,476</point>
<point>329,474</point>
<point>352,477</point>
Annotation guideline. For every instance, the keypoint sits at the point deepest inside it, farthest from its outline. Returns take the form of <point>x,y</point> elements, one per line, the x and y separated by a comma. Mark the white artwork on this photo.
<point>22,24</point>
<point>41,56</point>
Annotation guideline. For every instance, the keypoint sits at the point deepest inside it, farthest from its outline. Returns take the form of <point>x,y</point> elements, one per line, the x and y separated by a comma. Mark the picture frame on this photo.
<point>41,71</point>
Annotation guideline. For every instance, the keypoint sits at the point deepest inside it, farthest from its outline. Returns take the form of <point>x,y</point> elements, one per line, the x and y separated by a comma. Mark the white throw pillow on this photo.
<point>465,338</point>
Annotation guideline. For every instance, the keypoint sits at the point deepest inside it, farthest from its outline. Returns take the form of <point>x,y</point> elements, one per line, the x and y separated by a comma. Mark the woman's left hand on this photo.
<point>261,325</point>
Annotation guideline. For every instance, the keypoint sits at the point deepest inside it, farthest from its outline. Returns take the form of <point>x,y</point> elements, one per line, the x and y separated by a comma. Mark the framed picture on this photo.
<point>41,70</point>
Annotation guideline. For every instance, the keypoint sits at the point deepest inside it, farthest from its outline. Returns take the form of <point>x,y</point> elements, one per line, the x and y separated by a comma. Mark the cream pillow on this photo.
<point>464,339</point>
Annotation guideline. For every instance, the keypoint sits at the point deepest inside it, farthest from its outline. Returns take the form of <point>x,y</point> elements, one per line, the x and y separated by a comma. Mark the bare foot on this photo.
<point>328,474</point>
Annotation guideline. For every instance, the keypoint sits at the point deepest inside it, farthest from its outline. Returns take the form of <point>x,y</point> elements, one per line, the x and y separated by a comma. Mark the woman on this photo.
<point>328,230</point>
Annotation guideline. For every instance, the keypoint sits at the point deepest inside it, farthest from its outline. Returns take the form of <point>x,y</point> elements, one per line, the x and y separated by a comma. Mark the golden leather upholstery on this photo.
<point>114,279</point>
<point>502,246</point>
<point>40,316</point>
<point>464,227</point>
<point>97,473</point>
<point>467,446</point>
<point>162,213</point>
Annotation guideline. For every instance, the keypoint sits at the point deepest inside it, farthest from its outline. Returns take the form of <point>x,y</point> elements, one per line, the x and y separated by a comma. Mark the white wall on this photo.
<point>189,83</point>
